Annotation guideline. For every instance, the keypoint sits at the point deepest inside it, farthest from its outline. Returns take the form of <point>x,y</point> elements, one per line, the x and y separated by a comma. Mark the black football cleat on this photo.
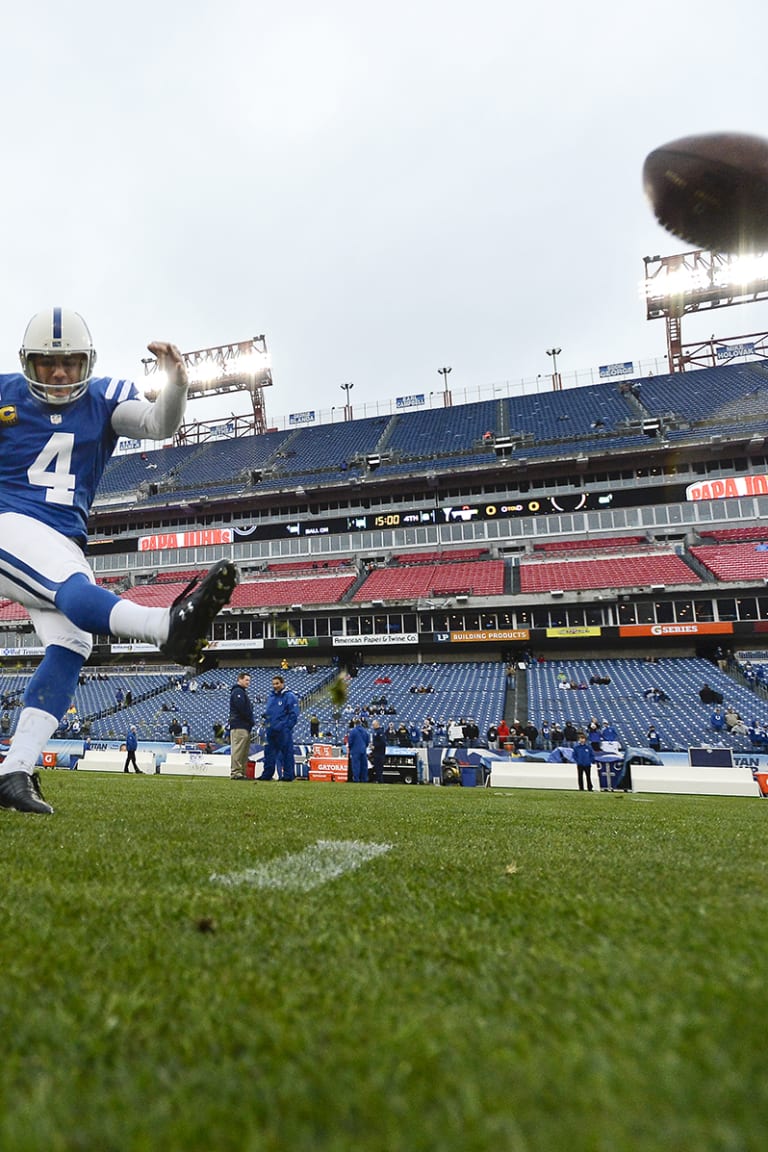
<point>194,610</point>
<point>21,791</point>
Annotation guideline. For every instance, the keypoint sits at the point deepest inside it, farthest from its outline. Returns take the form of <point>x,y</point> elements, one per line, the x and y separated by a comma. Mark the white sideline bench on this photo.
<point>195,764</point>
<point>112,760</point>
<point>545,774</point>
<point>681,778</point>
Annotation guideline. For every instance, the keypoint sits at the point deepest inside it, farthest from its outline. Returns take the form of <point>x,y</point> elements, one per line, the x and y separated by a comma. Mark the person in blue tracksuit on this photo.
<point>358,739</point>
<point>131,744</point>
<point>584,758</point>
<point>282,713</point>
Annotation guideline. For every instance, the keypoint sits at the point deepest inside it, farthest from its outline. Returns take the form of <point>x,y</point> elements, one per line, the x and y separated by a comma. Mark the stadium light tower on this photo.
<point>347,388</point>
<point>557,383</point>
<point>242,367</point>
<point>447,398</point>
<point>675,286</point>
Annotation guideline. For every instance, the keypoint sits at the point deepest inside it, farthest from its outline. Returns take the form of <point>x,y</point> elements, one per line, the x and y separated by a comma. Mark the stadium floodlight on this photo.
<point>445,372</point>
<point>557,383</point>
<point>692,281</point>
<point>675,286</point>
<point>242,367</point>
<point>346,389</point>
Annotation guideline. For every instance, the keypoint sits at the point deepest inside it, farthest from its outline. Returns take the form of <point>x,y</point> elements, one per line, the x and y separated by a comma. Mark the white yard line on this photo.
<point>302,871</point>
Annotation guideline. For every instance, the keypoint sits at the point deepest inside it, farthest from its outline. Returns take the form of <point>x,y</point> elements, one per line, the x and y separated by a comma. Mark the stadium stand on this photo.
<point>682,722</point>
<point>476,578</point>
<point>661,568</point>
<point>734,561</point>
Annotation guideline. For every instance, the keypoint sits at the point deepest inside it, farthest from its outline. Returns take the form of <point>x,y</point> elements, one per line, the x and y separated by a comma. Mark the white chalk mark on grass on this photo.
<point>302,871</point>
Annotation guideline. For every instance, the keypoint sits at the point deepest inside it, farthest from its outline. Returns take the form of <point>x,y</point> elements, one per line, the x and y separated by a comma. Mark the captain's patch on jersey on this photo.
<point>8,414</point>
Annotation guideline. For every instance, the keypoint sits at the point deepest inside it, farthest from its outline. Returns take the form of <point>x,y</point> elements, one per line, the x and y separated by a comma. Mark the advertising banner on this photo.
<point>576,630</point>
<point>719,628</point>
<point>375,640</point>
<point>481,635</point>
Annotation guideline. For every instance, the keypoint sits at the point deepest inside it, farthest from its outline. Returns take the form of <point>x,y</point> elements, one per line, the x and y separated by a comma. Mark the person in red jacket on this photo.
<point>502,729</point>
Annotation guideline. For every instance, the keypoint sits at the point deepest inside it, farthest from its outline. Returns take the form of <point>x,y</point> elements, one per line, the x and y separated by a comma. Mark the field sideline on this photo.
<point>514,971</point>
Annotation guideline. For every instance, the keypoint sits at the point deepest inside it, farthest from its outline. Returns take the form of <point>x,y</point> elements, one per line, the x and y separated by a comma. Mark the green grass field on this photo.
<point>527,971</point>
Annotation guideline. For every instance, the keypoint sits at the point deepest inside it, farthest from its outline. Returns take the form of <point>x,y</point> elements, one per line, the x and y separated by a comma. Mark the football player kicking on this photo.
<point>59,425</point>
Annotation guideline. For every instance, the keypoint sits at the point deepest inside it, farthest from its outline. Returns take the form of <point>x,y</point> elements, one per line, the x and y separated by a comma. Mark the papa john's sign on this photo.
<point>199,539</point>
<point>727,487</point>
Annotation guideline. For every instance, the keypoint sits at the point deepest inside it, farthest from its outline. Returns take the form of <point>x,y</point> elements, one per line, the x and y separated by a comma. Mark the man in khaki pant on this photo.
<point>240,724</point>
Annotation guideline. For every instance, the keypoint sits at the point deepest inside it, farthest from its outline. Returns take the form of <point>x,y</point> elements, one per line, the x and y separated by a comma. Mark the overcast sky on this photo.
<point>381,189</point>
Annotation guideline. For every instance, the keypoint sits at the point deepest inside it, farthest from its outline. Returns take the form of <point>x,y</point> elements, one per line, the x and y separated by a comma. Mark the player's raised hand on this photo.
<point>170,361</point>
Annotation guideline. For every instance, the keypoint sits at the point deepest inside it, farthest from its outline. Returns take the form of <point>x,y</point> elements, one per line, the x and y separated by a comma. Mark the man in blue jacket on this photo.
<point>131,744</point>
<point>584,758</point>
<point>281,714</point>
<point>357,741</point>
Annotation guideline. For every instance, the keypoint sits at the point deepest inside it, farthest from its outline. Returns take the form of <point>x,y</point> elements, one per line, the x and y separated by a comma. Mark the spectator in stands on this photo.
<point>404,736</point>
<point>708,695</point>
<point>502,729</point>
<point>391,734</point>
<point>128,698</point>
<point>427,731</point>
<point>378,751</point>
<point>595,734</point>
<point>314,726</point>
<point>492,736</point>
<point>531,733</point>
<point>282,715</point>
<point>174,729</point>
<point>557,736</point>
<point>119,697</point>
<point>455,733</point>
<point>734,723</point>
<point>610,735</point>
<point>570,733</point>
<point>471,732</point>
<point>584,758</point>
<point>653,737</point>
<point>717,720</point>
<point>131,744</point>
<point>545,734</point>
<point>5,723</point>
<point>241,724</point>
<point>358,739</point>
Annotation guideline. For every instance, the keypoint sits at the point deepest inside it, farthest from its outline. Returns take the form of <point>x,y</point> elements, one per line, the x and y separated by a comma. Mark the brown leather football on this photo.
<point>712,190</point>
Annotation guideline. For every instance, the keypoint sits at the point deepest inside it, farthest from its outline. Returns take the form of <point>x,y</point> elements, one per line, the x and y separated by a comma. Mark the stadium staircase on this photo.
<point>383,440</point>
<point>700,569</point>
<point>360,579</point>
<point>516,701</point>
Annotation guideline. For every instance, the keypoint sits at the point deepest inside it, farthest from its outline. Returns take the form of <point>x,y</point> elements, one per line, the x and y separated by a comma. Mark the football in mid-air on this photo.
<point>712,190</point>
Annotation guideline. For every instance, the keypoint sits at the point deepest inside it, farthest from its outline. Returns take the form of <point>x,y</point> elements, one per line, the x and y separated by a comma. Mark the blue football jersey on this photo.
<point>52,458</point>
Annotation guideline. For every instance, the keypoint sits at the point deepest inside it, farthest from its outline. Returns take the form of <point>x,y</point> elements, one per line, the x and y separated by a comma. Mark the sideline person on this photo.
<point>357,742</point>
<point>378,751</point>
<point>131,744</point>
<point>241,724</point>
<point>59,425</point>
<point>584,758</point>
<point>282,714</point>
